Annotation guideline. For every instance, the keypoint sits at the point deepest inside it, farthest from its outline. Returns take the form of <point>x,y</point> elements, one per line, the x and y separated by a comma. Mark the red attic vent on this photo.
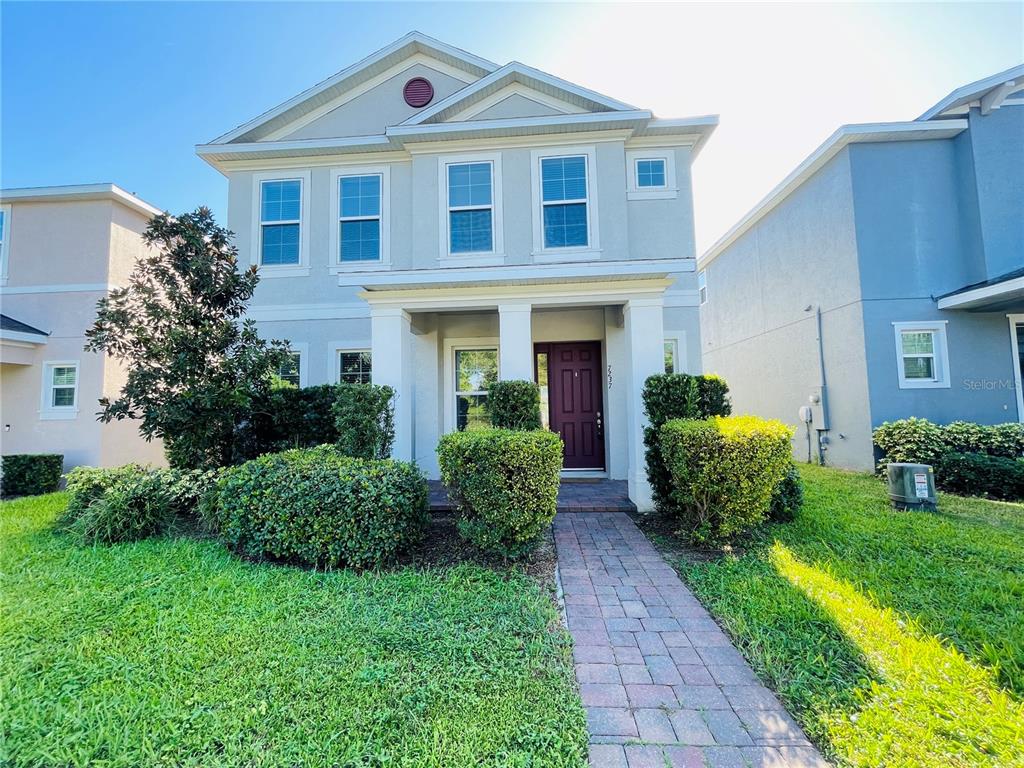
<point>418,92</point>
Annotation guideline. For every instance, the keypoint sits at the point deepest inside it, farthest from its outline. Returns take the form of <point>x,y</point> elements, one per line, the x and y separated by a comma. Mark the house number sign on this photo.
<point>609,377</point>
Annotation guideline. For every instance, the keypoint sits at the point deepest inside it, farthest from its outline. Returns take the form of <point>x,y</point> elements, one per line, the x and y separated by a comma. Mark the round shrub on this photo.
<point>317,507</point>
<point>910,440</point>
<point>514,404</point>
<point>30,474</point>
<point>788,497</point>
<point>135,506</point>
<point>504,484</point>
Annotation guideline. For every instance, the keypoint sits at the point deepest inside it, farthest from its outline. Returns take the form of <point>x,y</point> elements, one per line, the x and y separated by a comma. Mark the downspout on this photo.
<point>822,388</point>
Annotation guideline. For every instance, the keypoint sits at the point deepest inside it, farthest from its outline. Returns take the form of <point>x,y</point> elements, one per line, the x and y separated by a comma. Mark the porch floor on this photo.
<point>599,495</point>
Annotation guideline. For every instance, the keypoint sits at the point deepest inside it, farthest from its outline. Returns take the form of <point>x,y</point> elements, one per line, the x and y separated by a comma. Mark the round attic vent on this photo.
<point>418,92</point>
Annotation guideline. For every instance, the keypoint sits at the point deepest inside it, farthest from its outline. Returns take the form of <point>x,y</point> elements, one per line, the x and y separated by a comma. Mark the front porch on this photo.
<point>598,495</point>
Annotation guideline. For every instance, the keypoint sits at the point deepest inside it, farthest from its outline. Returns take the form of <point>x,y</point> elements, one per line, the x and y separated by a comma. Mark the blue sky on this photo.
<point>122,92</point>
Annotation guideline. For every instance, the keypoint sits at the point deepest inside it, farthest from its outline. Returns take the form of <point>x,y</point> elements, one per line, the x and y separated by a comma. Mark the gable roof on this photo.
<point>516,72</point>
<point>987,93</point>
<point>346,79</point>
<point>16,326</point>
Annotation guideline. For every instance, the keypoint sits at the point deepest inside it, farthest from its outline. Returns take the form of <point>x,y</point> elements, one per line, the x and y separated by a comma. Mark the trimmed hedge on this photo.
<point>31,474</point>
<point>364,418</point>
<point>318,507</point>
<point>668,396</point>
<point>724,472</point>
<point>288,417</point>
<point>979,474</point>
<point>504,484</point>
<point>513,404</point>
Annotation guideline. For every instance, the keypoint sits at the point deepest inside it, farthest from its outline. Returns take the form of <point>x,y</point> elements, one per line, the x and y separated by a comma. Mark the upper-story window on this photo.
<point>280,222</point>
<point>564,199</point>
<point>650,173</point>
<point>360,217</point>
<point>470,207</point>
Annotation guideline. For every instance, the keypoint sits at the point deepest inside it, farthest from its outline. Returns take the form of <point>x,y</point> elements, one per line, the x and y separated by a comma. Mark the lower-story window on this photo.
<point>60,389</point>
<point>354,367</point>
<point>475,371</point>
<point>921,355</point>
<point>290,368</point>
<point>671,356</point>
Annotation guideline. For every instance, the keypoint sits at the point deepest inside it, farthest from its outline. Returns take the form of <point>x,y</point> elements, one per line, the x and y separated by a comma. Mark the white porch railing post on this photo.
<point>645,343</point>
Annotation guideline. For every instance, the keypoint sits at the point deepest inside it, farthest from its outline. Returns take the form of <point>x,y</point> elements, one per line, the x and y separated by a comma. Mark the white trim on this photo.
<point>972,92</point>
<point>940,354</point>
<point>702,287</point>
<point>846,135</point>
<point>5,244</point>
<point>451,345</point>
<point>48,412</point>
<point>978,296</point>
<point>269,313</point>
<point>566,255</point>
<point>384,171</point>
<point>256,243</point>
<point>589,152</point>
<point>1015,358</point>
<point>516,125</point>
<point>73,192</point>
<point>678,338</point>
<point>33,339</point>
<point>496,255</point>
<point>68,288</point>
<point>669,191</point>
<point>516,89</point>
<point>334,350</point>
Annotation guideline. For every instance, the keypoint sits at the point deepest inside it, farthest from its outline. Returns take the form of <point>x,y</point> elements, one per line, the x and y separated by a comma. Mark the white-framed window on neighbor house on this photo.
<point>280,237</point>
<point>5,241</point>
<point>651,174</point>
<point>702,287</point>
<point>470,194</point>
<point>60,390</point>
<point>922,357</point>
<point>360,234</point>
<point>565,203</point>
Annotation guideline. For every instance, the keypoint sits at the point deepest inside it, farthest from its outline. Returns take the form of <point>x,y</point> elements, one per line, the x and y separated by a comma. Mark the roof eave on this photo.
<point>78,192</point>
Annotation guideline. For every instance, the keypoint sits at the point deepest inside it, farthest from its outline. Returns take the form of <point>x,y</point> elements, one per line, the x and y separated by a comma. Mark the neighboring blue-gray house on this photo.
<point>884,278</point>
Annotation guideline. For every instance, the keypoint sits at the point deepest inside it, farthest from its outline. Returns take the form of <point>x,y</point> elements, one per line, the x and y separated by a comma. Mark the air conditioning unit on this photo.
<point>912,486</point>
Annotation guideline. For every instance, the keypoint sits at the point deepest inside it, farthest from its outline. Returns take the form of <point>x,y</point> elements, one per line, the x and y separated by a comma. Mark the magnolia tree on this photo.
<point>194,367</point>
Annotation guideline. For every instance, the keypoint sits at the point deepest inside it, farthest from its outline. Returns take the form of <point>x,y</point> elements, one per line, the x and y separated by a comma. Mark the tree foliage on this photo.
<point>194,366</point>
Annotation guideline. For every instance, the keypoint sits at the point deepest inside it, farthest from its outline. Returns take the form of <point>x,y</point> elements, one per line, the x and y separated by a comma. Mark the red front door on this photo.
<point>575,402</point>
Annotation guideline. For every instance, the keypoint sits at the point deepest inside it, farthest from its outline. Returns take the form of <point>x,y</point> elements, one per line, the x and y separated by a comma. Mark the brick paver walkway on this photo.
<point>661,682</point>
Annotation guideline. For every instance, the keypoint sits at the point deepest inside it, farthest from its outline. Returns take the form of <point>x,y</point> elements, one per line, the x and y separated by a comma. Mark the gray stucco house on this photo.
<point>882,279</point>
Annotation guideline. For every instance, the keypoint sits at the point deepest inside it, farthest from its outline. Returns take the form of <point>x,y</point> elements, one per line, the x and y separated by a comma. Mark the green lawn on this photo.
<point>171,652</point>
<point>897,638</point>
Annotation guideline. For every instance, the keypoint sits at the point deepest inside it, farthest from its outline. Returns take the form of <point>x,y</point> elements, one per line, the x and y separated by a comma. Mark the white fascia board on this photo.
<point>72,192</point>
<point>474,64</point>
<point>974,91</point>
<point>215,154</point>
<point>695,130</point>
<point>522,73</point>
<point>512,124</point>
<point>1008,289</point>
<point>26,338</point>
<point>846,135</point>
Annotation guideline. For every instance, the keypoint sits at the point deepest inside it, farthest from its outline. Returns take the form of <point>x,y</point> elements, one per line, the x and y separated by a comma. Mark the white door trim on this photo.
<point>1015,357</point>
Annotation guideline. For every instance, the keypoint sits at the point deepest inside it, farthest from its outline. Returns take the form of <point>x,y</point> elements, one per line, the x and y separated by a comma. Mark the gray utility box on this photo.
<point>912,486</point>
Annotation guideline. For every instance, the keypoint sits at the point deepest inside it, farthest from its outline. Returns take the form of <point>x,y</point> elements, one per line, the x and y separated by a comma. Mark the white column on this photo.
<point>515,342</point>
<point>645,342</point>
<point>391,351</point>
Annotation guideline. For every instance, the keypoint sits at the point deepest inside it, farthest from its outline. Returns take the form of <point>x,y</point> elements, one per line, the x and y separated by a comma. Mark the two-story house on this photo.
<point>432,221</point>
<point>61,250</point>
<point>882,279</point>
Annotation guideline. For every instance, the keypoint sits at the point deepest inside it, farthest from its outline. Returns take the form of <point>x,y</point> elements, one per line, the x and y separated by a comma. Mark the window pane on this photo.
<point>280,244</point>
<point>475,369</point>
<point>3,222</point>
<point>289,370</point>
<point>918,368</point>
<point>650,173</point>
<point>670,357</point>
<point>360,240</point>
<point>281,200</point>
<point>360,195</point>
<point>65,375</point>
<point>565,225</point>
<point>471,231</point>
<point>470,412</point>
<point>63,397</point>
<point>917,342</point>
<point>564,178</point>
<point>469,184</point>
<point>355,368</point>
<point>542,384</point>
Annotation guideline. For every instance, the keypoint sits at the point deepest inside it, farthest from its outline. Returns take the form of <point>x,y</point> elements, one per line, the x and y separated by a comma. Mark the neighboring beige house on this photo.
<point>61,250</point>
<point>430,220</point>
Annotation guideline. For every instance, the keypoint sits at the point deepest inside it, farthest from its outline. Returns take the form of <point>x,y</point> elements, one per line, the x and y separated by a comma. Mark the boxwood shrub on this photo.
<point>724,472</point>
<point>30,474</point>
<point>788,497</point>
<point>504,484</point>
<point>982,475</point>
<point>288,417</point>
<point>364,418</point>
<point>318,507</point>
<point>514,404</point>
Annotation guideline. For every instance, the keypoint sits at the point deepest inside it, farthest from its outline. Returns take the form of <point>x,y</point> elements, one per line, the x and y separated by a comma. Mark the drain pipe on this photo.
<point>819,396</point>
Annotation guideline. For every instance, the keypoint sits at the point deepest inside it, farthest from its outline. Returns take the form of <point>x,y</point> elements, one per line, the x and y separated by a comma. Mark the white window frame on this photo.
<point>493,257</point>
<point>702,287</point>
<point>337,266</point>
<point>576,252</point>
<point>5,244</point>
<point>49,412</point>
<point>451,346</point>
<point>1018,384</point>
<point>335,350</point>
<point>678,341</point>
<point>636,192</point>
<point>302,350</point>
<point>940,353</point>
<point>305,186</point>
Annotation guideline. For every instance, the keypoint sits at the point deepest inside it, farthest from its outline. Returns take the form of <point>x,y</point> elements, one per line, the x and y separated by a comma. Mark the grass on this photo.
<point>896,638</point>
<point>170,652</point>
